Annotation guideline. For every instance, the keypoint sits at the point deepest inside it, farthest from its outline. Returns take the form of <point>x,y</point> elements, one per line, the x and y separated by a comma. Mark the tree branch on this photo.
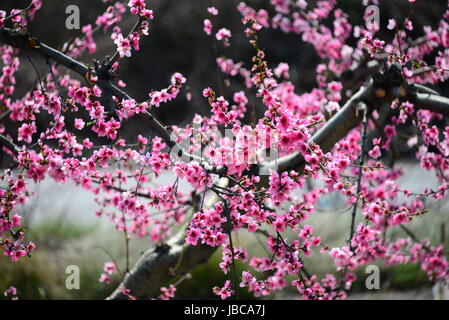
<point>9,144</point>
<point>152,270</point>
<point>431,102</point>
<point>333,131</point>
<point>26,42</point>
<point>377,92</point>
<point>116,55</point>
<point>155,267</point>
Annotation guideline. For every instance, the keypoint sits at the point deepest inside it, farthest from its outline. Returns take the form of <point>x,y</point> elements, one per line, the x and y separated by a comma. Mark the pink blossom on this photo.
<point>109,268</point>
<point>207,27</point>
<point>213,11</point>
<point>124,46</point>
<point>223,33</point>
<point>391,24</point>
<point>11,292</point>
<point>224,292</point>
<point>104,278</point>
<point>79,123</point>
<point>26,132</point>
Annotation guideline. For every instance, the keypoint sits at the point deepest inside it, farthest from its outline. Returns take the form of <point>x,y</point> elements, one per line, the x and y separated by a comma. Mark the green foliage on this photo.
<point>406,276</point>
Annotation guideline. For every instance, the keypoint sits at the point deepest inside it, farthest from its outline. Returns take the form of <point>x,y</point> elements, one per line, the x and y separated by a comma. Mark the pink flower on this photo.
<point>408,24</point>
<point>279,224</point>
<point>391,24</point>
<point>167,293</point>
<point>399,218</point>
<point>193,235</point>
<point>30,246</point>
<point>136,3</point>
<point>79,123</point>
<point>247,279</point>
<point>127,293</point>
<point>306,232</point>
<point>177,79</point>
<point>390,131</point>
<point>375,152</point>
<point>11,292</point>
<point>16,254</point>
<point>224,292</point>
<point>138,7</point>
<point>109,268</point>
<point>26,132</point>
<point>281,70</point>
<point>223,33</point>
<point>316,241</point>
<point>104,278</point>
<point>213,11</point>
<point>16,220</point>
<point>148,14</point>
<point>2,17</point>
<point>207,27</point>
<point>123,46</point>
<point>341,256</point>
<point>207,92</point>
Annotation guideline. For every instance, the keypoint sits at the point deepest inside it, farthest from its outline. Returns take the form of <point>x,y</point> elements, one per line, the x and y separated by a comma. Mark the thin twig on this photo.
<point>30,7</point>
<point>112,259</point>
<point>9,144</point>
<point>116,55</point>
<point>359,178</point>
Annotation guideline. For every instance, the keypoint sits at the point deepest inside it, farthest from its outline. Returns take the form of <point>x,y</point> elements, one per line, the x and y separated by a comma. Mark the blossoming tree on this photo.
<point>253,179</point>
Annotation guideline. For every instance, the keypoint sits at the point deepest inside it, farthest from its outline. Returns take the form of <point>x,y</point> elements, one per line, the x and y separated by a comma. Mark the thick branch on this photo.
<point>432,102</point>
<point>16,40</point>
<point>359,73</point>
<point>377,92</point>
<point>152,270</point>
<point>332,132</point>
<point>155,267</point>
<point>25,42</point>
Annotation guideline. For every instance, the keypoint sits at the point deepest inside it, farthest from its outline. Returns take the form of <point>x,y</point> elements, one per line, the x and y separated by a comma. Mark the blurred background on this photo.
<point>61,220</point>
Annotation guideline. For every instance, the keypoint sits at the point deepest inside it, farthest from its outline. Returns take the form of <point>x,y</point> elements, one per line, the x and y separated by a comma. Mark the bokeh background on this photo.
<point>61,220</point>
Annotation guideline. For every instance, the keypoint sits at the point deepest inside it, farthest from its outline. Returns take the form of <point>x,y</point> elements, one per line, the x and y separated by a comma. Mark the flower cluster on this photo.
<point>166,95</point>
<point>138,7</point>
<point>224,292</point>
<point>109,269</point>
<point>11,292</point>
<point>233,183</point>
<point>125,44</point>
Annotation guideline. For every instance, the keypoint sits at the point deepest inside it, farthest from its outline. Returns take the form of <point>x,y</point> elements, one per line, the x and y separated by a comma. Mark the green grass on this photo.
<point>407,276</point>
